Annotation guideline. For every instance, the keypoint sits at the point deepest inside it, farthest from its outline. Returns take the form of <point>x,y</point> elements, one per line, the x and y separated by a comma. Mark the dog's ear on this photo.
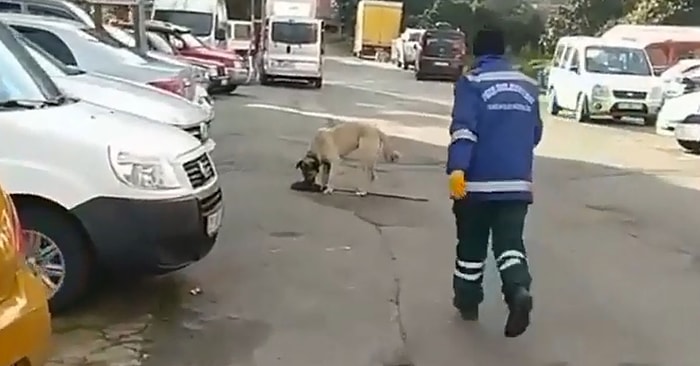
<point>298,166</point>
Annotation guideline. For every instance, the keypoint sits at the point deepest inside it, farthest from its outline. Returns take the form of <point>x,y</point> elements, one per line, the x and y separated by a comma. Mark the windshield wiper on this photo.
<point>32,103</point>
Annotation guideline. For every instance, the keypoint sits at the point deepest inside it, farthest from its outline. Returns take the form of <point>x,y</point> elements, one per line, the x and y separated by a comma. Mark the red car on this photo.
<point>187,45</point>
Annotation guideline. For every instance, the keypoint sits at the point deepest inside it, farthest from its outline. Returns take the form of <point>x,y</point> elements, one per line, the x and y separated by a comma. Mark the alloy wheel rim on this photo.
<point>47,259</point>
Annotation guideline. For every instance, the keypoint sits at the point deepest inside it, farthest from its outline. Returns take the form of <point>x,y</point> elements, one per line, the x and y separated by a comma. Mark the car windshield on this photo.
<point>617,60</point>
<point>159,43</point>
<point>200,23</point>
<point>414,37</point>
<point>190,40</point>
<point>120,35</point>
<point>241,31</point>
<point>50,64</point>
<point>101,43</point>
<point>294,33</point>
<point>22,77</point>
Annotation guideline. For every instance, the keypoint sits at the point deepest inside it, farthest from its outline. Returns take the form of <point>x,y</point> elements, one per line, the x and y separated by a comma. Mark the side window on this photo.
<point>6,7</point>
<point>49,11</point>
<point>575,60</point>
<point>556,60</point>
<point>567,56</point>
<point>50,43</point>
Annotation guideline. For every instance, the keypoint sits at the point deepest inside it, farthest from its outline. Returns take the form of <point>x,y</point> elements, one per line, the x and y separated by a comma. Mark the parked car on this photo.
<point>101,189</point>
<point>675,110</point>
<point>124,95</point>
<point>676,81</point>
<point>51,8</point>
<point>441,53</point>
<point>687,132</point>
<point>184,44</point>
<point>76,45</point>
<point>213,72</point>
<point>603,78</point>
<point>407,47</point>
<point>25,329</point>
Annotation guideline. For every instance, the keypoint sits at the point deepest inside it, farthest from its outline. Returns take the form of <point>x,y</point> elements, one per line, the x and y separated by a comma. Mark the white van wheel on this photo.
<point>691,146</point>
<point>582,114</point>
<point>59,251</point>
<point>552,106</point>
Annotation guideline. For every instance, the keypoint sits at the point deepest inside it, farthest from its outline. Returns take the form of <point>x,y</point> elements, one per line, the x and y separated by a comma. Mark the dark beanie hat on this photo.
<point>489,42</point>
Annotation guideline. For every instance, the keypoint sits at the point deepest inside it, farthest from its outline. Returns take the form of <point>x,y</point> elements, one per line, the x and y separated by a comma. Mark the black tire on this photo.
<point>229,88</point>
<point>582,114</point>
<point>73,245</point>
<point>264,79</point>
<point>552,107</point>
<point>316,83</point>
<point>650,121</point>
<point>419,76</point>
<point>692,146</point>
<point>404,65</point>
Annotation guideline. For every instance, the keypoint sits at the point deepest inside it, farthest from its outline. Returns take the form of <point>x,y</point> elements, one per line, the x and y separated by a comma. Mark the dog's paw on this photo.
<point>327,190</point>
<point>360,193</point>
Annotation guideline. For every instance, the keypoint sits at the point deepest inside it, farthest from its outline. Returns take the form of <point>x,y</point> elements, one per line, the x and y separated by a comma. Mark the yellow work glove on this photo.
<point>458,185</point>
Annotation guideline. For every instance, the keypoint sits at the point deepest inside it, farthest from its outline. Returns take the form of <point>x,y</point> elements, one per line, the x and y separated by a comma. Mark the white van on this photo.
<point>603,78</point>
<point>99,189</point>
<point>206,18</point>
<point>292,50</point>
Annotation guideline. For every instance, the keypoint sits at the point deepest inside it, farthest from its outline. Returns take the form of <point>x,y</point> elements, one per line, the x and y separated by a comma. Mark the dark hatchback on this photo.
<point>441,55</point>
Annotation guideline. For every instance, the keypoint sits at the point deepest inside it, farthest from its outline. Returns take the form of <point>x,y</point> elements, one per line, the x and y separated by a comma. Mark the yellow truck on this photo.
<point>378,24</point>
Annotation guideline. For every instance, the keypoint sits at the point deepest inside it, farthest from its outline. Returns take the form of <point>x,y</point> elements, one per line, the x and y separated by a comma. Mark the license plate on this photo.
<point>442,63</point>
<point>214,222</point>
<point>632,106</point>
<point>224,82</point>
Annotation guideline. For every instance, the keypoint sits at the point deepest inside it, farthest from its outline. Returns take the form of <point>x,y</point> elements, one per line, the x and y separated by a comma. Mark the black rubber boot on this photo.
<point>468,313</point>
<point>520,306</point>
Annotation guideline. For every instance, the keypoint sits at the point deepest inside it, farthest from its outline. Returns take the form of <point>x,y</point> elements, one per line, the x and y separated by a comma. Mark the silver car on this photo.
<point>123,95</point>
<point>74,44</point>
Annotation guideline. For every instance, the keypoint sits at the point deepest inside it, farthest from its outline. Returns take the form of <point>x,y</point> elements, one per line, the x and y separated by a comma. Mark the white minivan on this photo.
<point>603,78</point>
<point>99,189</point>
<point>293,50</point>
<point>206,18</point>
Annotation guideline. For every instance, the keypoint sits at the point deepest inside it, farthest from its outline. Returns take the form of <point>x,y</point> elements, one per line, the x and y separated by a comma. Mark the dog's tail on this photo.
<point>389,154</point>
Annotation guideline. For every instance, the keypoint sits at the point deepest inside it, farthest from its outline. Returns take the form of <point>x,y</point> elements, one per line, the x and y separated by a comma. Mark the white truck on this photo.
<point>292,42</point>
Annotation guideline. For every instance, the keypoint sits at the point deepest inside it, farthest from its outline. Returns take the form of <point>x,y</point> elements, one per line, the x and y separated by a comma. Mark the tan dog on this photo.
<point>331,144</point>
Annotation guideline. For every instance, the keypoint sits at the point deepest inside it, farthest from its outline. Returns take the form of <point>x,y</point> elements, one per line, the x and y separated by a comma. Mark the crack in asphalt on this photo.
<point>399,357</point>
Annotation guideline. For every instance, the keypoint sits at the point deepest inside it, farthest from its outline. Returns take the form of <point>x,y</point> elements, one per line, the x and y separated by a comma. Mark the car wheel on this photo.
<point>404,65</point>
<point>692,146</point>
<point>317,83</point>
<point>552,107</point>
<point>60,252</point>
<point>230,88</point>
<point>650,121</point>
<point>264,79</point>
<point>582,113</point>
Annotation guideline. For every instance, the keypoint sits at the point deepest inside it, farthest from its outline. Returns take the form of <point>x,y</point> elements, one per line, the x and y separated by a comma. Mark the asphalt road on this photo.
<point>308,280</point>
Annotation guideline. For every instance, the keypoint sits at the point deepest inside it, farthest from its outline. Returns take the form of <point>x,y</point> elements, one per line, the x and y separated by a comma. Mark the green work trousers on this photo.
<point>503,221</point>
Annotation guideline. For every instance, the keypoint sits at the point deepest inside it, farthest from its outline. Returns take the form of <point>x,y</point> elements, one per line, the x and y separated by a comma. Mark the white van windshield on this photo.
<point>200,23</point>
<point>617,60</point>
<point>294,33</point>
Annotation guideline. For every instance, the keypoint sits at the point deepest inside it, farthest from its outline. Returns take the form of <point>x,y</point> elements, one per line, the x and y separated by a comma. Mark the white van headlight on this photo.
<point>600,91</point>
<point>140,171</point>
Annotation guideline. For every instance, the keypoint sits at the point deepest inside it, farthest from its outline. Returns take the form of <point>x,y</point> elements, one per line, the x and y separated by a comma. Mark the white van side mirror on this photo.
<point>573,68</point>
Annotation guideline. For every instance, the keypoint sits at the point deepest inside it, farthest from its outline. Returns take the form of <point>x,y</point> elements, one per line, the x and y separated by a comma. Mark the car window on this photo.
<point>617,60</point>
<point>575,59</point>
<point>241,31</point>
<point>50,43</point>
<point>414,37</point>
<point>22,77</point>
<point>556,60</point>
<point>49,11</point>
<point>6,7</point>
<point>200,23</point>
<point>567,56</point>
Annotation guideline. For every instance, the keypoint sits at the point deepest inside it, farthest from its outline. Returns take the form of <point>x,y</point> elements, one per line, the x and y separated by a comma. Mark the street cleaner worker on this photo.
<point>495,127</point>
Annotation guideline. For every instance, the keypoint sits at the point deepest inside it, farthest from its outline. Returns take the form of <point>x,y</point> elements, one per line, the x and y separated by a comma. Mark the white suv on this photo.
<point>603,78</point>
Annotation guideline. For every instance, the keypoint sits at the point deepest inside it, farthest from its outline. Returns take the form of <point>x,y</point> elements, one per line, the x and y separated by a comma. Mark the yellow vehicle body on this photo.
<point>25,322</point>
<point>377,24</point>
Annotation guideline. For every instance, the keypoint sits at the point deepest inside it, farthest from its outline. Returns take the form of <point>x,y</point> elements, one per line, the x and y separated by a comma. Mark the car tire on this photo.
<point>404,65</point>
<point>419,76</point>
<point>650,121</point>
<point>264,79</point>
<point>229,88</point>
<point>691,146</point>
<point>73,245</point>
<point>316,83</point>
<point>552,107</point>
<point>582,114</point>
